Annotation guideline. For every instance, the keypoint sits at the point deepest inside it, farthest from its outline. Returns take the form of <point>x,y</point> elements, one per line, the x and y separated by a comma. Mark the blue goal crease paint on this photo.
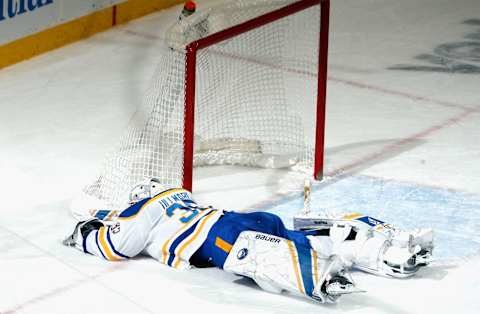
<point>453,215</point>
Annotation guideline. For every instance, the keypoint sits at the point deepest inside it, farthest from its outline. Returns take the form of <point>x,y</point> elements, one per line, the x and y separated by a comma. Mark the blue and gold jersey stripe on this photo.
<point>169,247</point>
<point>176,242</point>
<point>193,238</point>
<point>106,247</point>
<point>98,245</point>
<point>109,241</point>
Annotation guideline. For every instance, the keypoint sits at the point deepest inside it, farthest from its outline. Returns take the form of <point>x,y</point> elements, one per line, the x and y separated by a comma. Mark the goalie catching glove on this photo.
<point>369,244</point>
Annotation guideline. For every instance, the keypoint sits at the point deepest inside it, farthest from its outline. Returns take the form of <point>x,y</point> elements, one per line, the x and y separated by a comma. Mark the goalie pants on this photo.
<point>225,231</point>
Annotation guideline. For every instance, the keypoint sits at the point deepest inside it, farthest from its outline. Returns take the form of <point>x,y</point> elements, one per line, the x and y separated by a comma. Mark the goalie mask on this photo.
<point>143,191</point>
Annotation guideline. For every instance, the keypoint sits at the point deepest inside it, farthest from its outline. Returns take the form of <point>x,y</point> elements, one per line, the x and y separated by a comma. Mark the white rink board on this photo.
<point>18,20</point>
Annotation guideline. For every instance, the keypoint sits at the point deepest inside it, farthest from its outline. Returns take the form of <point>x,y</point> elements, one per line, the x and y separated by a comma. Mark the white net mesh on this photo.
<point>255,100</point>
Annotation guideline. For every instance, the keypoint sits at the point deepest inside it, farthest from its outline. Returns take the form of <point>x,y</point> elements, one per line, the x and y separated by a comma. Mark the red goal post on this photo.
<point>190,78</point>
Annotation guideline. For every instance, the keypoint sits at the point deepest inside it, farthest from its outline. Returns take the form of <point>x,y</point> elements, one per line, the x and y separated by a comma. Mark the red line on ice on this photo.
<point>356,84</point>
<point>433,129</point>
<point>467,110</point>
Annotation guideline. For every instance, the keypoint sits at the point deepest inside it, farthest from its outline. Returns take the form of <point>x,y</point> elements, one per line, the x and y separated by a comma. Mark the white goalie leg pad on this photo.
<point>276,264</point>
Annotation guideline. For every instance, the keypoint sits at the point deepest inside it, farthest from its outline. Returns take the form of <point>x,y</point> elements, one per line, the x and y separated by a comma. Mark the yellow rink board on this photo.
<point>83,27</point>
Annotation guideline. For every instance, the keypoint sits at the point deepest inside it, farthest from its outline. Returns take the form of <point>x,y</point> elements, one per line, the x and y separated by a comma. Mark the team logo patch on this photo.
<point>242,253</point>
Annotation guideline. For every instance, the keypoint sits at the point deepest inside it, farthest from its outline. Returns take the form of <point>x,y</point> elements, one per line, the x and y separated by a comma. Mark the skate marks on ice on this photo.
<point>39,269</point>
<point>13,247</point>
<point>242,295</point>
<point>452,214</point>
<point>353,158</point>
<point>451,57</point>
<point>231,290</point>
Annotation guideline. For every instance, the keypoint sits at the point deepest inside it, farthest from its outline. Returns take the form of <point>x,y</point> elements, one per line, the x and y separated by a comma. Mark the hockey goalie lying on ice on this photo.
<point>168,225</point>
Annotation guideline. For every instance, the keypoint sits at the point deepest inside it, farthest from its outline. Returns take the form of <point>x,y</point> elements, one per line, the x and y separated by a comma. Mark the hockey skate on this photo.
<point>369,244</point>
<point>334,283</point>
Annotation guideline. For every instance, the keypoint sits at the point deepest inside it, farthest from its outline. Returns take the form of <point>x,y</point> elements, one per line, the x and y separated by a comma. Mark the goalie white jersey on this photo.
<point>169,227</point>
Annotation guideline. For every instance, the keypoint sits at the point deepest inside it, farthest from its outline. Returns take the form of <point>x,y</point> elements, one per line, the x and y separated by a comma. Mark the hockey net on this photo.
<point>240,83</point>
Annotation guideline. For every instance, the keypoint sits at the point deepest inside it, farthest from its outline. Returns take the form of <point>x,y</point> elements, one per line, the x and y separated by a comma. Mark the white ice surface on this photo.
<point>404,144</point>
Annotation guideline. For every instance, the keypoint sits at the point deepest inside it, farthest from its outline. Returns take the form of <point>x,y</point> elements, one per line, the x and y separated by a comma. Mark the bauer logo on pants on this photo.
<point>267,238</point>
